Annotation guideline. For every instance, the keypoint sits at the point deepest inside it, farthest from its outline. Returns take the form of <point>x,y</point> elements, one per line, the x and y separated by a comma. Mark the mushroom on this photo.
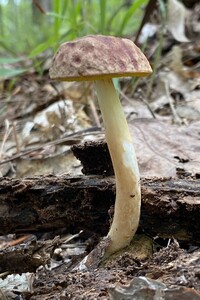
<point>100,58</point>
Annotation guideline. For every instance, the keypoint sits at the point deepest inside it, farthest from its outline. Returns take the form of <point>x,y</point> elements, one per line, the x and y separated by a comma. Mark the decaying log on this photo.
<point>169,207</point>
<point>91,151</point>
<point>27,257</point>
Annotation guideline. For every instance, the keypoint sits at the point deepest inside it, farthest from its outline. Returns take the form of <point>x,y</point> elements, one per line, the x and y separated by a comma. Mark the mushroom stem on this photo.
<point>128,196</point>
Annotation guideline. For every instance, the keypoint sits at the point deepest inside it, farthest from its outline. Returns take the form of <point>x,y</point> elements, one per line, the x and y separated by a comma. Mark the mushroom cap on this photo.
<point>96,57</point>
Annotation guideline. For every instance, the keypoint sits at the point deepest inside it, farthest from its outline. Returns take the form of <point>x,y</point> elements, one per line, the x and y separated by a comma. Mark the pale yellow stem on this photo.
<point>128,198</point>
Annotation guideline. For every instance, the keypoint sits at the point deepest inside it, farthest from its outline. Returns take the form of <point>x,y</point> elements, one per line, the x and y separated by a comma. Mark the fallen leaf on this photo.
<point>177,14</point>
<point>146,288</point>
<point>163,148</point>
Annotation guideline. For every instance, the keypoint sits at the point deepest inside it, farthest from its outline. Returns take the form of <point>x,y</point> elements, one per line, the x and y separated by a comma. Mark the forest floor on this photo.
<point>42,123</point>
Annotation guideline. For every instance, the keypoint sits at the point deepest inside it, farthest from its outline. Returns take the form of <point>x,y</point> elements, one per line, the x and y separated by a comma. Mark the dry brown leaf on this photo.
<point>147,288</point>
<point>177,66</point>
<point>177,14</point>
<point>60,164</point>
<point>162,148</point>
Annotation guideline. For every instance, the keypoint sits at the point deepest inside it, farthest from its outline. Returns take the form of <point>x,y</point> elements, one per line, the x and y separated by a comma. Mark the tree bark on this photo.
<point>169,207</point>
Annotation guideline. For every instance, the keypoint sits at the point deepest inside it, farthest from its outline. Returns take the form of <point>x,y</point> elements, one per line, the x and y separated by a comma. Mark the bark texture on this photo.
<point>169,207</point>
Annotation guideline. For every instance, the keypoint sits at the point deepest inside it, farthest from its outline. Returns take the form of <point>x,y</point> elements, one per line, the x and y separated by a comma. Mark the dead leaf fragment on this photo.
<point>145,288</point>
<point>177,14</point>
<point>162,148</point>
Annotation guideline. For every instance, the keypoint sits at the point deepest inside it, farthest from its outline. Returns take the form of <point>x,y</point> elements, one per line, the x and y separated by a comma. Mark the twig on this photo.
<point>149,10</point>
<point>143,100</point>
<point>16,137</point>
<point>177,119</point>
<point>6,135</point>
<point>94,112</point>
<point>39,7</point>
<point>52,143</point>
<point>2,295</point>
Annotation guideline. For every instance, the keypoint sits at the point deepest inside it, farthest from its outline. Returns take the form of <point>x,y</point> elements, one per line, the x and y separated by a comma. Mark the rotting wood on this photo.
<point>170,207</point>
<point>27,257</point>
<point>91,151</point>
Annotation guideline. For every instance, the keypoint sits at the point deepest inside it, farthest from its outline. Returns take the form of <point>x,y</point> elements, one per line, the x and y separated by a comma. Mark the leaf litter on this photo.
<point>43,121</point>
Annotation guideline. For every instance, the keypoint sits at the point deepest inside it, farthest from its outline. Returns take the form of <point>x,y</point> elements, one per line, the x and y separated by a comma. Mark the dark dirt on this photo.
<point>171,265</point>
<point>173,211</point>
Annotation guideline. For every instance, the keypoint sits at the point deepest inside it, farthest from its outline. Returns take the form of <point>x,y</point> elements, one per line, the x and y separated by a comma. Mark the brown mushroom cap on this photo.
<point>97,57</point>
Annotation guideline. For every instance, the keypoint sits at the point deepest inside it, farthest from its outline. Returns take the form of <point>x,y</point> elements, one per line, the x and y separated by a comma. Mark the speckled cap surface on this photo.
<point>96,57</point>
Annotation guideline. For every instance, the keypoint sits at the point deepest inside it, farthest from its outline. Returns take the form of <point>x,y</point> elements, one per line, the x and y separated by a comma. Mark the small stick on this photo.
<point>177,119</point>
<point>94,112</point>
<point>6,135</point>
<point>16,138</point>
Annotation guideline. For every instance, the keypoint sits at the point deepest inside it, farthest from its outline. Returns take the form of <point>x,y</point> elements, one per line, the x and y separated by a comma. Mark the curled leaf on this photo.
<point>177,14</point>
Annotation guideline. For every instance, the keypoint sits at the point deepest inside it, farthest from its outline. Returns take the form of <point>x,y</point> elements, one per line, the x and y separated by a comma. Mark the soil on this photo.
<point>154,256</point>
<point>172,265</point>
